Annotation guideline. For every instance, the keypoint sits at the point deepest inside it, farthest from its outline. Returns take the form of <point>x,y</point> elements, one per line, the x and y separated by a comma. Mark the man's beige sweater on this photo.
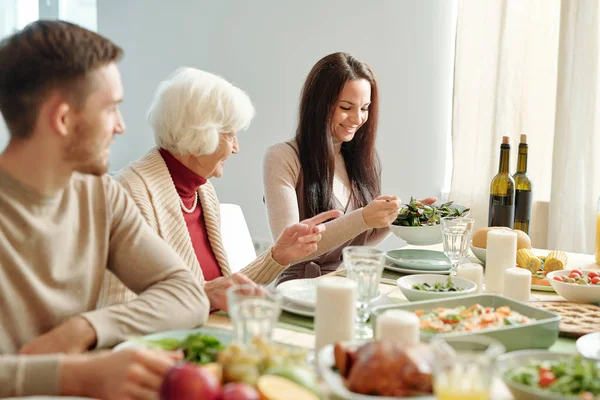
<point>54,253</point>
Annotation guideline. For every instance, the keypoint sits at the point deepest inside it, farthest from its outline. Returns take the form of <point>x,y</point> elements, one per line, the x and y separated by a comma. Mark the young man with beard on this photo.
<point>63,223</point>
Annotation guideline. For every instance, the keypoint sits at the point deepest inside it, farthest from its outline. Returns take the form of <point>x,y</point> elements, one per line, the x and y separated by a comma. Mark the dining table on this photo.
<point>299,331</point>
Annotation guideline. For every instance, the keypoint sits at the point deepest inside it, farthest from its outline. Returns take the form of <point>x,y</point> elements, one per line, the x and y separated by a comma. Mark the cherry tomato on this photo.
<point>575,274</point>
<point>547,378</point>
<point>593,274</point>
<point>559,278</point>
<point>595,280</point>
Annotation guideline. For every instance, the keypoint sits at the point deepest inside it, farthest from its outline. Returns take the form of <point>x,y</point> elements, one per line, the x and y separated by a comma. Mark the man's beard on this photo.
<point>83,152</point>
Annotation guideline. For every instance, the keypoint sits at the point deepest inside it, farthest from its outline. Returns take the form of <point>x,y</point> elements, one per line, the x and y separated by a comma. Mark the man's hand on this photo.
<point>300,240</point>
<point>73,336</point>
<point>129,374</point>
<point>217,288</point>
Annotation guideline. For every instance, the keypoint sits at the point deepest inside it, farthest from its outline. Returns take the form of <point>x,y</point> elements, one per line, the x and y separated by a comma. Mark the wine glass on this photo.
<point>364,265</point>
<point>456,233</point>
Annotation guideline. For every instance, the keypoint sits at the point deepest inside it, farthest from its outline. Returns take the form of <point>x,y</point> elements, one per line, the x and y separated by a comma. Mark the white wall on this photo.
<point>267,48</point>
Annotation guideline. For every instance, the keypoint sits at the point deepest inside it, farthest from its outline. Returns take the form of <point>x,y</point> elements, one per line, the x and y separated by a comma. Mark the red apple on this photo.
<point>186,381</point>
<point>239,391</point>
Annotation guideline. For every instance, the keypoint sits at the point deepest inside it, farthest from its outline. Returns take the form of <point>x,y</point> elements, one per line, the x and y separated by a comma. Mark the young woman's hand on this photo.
<point>381,212</point>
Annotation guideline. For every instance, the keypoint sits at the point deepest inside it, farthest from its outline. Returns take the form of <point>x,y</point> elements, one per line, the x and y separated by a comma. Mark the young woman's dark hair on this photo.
<point>314,135</point>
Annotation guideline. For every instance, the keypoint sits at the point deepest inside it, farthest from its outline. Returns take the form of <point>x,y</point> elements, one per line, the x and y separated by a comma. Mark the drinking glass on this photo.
<point>456,233</point>
<point>364,265</point>
<point>464,367</point>
<point>253,312</point>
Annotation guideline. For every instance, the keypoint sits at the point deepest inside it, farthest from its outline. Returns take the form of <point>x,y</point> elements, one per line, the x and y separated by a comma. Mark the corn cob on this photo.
<point>526,259</point>
<point>556,260</point>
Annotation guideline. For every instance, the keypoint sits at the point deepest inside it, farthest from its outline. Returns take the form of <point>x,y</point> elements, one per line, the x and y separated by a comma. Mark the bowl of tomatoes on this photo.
<point>579,286</point>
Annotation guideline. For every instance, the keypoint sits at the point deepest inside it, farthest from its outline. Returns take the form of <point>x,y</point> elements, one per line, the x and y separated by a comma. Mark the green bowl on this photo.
<point>539,334</point>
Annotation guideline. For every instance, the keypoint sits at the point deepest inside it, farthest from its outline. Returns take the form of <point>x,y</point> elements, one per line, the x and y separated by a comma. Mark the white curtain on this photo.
<point>576,161</point>
<point>508,71</point>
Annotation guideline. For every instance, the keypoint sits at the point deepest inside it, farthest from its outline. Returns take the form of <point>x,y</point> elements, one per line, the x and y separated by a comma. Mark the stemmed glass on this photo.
<point>456,233</point>
<point>364,265</point>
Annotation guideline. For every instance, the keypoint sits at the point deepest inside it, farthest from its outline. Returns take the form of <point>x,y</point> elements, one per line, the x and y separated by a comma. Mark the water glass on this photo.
<point>464,367</point>
<point>456,233</point>
<point>364,266</point>
<point>253,313</point>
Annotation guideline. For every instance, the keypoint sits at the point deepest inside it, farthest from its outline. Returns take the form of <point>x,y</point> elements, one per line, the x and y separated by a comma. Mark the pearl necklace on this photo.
<point>190,210</point>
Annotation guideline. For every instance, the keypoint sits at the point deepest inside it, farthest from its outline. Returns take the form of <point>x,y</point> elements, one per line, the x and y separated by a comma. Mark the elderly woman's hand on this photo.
<point>216,290</point>
<point>299,240</point>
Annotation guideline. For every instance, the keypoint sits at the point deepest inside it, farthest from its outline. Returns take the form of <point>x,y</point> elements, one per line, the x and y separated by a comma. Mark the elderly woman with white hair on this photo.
<point>196,116</point>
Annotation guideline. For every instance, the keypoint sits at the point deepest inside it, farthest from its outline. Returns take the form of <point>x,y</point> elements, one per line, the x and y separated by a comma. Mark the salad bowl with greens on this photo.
<point>545,375</point>
<point>419,224</point>
<point>428,287</point>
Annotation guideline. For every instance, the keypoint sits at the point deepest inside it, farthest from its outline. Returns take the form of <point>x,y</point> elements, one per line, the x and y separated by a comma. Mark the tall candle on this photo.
<point>517,283</point>
<point>335,312</point>
<point>472,272</point>
<point>501,254</point>
<point>400,325</point>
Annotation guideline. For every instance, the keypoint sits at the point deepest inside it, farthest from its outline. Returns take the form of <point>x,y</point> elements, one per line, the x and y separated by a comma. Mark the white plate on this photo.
<point>223,336</point>
<point>335,383</point>
<point>589,346</point>
<point>297,309</point>
<point>415,271</point>
<point>304,311</point>
<point>299,291</point>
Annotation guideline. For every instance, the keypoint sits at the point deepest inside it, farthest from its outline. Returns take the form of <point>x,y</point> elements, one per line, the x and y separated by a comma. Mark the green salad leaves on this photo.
<point>574,376</point>
<point>197,348</point>
<point>416,213</point>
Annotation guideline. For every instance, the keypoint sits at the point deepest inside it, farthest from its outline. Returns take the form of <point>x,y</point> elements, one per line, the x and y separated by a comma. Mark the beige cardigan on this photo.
<point>149,183</point>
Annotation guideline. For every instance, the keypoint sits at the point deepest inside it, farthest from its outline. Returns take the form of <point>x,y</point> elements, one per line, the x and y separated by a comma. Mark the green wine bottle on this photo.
<point>523,186</point>
<point>502,191</point>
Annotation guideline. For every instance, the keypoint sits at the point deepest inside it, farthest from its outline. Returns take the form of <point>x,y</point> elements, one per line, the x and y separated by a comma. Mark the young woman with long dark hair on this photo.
<point>331,164</point>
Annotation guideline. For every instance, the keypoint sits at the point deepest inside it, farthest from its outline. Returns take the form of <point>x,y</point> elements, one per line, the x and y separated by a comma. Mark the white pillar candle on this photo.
<point>400,325</point>
<point>501,254</point>
<point>472,272</point>
<point>517,283</point>
<point>335,311</point>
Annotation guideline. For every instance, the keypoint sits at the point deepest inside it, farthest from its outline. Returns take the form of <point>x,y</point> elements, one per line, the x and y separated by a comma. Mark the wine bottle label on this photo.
<point>523,204</point>
<point>502,211</point>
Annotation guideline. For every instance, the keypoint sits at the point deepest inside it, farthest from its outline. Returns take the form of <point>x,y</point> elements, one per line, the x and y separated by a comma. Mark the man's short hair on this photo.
<point>46,56</point>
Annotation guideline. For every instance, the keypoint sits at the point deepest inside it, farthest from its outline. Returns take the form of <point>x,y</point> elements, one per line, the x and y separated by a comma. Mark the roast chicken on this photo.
<point>386,368</point>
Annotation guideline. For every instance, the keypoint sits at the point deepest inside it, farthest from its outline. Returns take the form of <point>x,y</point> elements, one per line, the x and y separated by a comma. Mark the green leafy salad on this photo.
<point>416,213</point>
<point>197,348</point>
<point>438,287</point>
<point>574,376</point>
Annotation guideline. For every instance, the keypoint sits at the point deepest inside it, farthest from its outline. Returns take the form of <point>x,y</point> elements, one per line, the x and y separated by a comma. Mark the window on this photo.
<point>16,14</point>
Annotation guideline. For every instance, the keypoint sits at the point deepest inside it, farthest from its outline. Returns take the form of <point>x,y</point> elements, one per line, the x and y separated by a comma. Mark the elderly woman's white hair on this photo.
<point>192,107</point>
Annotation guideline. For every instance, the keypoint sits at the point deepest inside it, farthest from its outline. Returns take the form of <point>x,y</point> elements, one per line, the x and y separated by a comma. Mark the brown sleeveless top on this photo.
<point>326,262</point>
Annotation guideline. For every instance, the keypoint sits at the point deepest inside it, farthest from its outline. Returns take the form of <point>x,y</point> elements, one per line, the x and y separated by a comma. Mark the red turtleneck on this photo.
<point>187,182</point>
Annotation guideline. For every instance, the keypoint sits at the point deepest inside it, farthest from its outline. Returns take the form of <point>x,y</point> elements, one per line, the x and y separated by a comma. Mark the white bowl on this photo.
<point>418,235</point>
<point>572,291</point>
<point>519,358</point>
<point>406,283</point>
<point>479,252</point>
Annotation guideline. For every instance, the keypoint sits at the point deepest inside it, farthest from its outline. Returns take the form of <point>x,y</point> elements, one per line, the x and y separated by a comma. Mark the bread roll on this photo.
<point>480,237</point>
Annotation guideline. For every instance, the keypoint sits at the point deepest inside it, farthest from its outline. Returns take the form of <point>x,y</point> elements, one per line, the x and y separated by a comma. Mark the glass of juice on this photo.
<point>464,367</point>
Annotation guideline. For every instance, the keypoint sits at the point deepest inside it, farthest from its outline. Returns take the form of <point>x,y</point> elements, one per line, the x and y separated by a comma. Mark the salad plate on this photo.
<point>545,375</point>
